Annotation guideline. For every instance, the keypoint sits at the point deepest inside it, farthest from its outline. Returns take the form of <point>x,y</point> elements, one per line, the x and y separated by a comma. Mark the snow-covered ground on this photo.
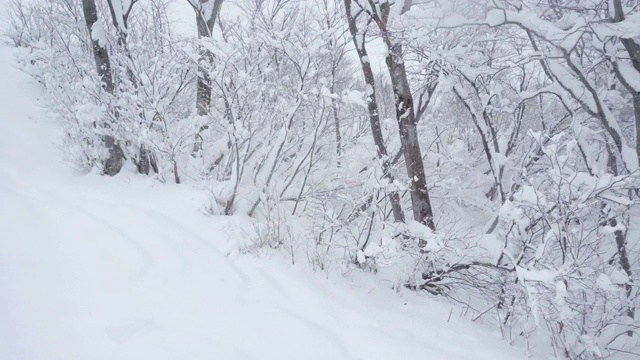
<point>126,268</point>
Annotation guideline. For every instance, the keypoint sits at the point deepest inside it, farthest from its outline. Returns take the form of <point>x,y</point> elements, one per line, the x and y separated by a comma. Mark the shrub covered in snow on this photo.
<point>490,158</point>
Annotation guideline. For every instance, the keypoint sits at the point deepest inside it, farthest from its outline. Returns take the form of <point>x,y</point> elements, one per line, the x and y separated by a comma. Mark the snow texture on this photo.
<point>98,34</point>
<point>125,268</point>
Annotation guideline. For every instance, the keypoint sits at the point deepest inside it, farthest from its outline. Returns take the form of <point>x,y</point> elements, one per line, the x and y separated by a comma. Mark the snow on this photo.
<point>118,9</point>
<point>631,75</point>
<point>95,267</point>
<point>354,97</point>
<point>369,91</point>
<point>543,276</point>
<point>98,34</point>
<point>619,278</point>
<point>604,282</point>
<point>628,28</point>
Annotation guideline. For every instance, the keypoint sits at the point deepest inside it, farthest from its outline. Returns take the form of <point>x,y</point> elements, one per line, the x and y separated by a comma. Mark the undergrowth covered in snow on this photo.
<point>488,158</point>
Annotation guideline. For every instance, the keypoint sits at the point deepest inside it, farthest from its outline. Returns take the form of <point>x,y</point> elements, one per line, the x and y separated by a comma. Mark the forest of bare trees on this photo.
<point>484,152</point>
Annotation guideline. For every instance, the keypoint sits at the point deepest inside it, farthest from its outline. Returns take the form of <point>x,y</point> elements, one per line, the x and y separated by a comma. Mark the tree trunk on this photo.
<point>374,115</point>
<point>407,124</point>
<point>120,20</point>
<point>621,242</point>
<point>336,118</point>
<point>144,163</point>
<point>205,21</point>
<point>113,163</point>
<point>100,54</point>
<point>633,49</point>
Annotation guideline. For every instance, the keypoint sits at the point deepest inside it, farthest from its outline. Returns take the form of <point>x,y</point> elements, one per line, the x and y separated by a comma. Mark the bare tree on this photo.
<point>113,163</point>
<point>405,112</point>
<point>98,41</point>
<point>331,19</point>
<point>372,107</point>
<point>206,13</point>
<point>120,11</point>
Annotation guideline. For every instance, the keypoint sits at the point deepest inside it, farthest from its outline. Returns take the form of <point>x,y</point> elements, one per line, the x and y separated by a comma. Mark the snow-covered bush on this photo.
<point>525,116</point>
<point>563,231</point>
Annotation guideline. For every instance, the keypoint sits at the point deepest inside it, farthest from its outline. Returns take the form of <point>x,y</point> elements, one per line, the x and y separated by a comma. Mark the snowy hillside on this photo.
<point>123,267</point>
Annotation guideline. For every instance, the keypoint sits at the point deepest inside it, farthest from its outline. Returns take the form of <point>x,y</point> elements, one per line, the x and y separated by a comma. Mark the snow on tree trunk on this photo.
<point>99,43</point>
<point>120,11</point>
<point>206,13</point>
<point>407,122</point>
<point>372,107</point>
<point>633,50</point>
<point>113,163</point>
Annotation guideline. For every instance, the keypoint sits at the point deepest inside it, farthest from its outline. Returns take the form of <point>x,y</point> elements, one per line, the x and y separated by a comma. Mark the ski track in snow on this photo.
<point>124,268</point>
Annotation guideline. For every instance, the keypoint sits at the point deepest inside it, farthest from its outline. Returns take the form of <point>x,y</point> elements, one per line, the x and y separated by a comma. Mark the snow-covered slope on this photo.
<point>125,268</point>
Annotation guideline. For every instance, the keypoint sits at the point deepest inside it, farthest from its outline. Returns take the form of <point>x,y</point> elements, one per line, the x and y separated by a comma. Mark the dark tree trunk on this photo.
<point>374,115</point>
<point>633,49</point>
<point>100,54</point>
<point>336,124</point>
<point>336,117</point>
<point>636,110</point>
<point>205,24</point>
<point>407,122</point>
<point>621,243</point>
<point>113,163</point>
<point>144,162</point>
<point>203,95</point>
